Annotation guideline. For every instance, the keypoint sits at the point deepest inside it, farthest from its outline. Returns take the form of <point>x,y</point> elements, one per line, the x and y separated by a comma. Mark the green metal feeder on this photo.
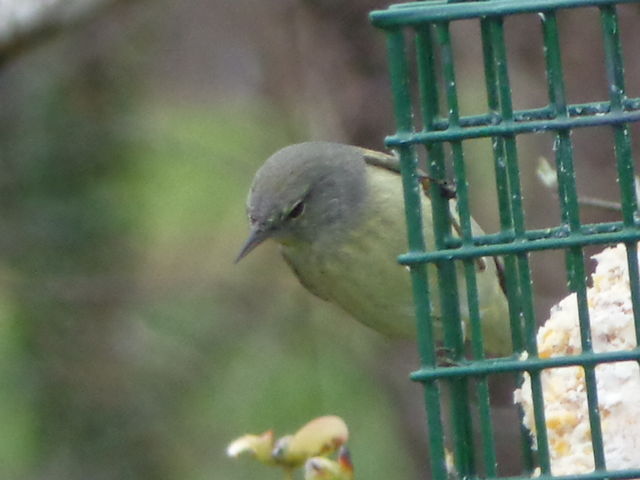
<point>425,28</point>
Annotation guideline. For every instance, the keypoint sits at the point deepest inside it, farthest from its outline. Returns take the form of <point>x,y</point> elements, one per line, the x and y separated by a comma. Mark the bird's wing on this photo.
<point>392,163</point>
<point>383,160</point>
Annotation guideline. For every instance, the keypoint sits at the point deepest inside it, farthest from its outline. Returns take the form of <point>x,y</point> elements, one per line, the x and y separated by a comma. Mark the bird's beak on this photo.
<point>256,237</point>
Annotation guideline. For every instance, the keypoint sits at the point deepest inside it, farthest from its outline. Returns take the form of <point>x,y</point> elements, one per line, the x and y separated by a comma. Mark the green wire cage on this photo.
<point>423,77</point>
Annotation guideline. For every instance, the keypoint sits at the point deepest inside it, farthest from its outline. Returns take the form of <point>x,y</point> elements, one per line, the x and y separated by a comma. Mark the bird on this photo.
<point>337,212</point>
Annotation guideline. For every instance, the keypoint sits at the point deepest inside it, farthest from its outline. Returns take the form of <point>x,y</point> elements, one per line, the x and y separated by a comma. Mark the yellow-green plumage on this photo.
<point>344,242</point>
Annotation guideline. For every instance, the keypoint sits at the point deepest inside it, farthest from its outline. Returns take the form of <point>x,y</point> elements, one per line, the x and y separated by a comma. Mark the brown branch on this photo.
<point>27,23</point>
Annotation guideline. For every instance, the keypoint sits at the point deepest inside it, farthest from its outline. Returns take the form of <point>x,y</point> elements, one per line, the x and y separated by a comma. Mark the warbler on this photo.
<point>337,212</point>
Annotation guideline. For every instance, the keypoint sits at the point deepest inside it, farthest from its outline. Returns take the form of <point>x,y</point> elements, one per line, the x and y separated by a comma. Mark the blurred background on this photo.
<point>131,346</point>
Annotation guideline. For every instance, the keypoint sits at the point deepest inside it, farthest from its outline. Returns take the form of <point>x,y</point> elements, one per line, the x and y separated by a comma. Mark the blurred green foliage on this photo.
<point>130,345</point>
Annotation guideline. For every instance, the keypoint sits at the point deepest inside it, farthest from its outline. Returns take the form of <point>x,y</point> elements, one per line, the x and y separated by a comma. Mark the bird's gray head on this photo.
<point>308,192</point>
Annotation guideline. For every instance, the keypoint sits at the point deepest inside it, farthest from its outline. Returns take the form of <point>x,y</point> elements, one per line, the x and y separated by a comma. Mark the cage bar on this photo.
<point>428,24</point>
<point>420,284</point>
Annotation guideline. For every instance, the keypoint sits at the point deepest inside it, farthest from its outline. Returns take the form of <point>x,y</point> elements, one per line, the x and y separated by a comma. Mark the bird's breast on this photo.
<point>359,272</point>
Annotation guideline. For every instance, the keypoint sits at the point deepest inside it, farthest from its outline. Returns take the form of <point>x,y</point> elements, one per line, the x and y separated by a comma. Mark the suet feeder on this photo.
<point>423,77</point>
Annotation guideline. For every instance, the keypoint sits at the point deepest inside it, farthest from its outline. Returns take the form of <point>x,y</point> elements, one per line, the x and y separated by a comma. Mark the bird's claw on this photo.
<point>447,188</point>
<point>444,357</point>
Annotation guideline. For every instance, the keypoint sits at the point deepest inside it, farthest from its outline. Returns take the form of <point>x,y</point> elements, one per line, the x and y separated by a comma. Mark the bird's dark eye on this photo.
<point>296,211</point>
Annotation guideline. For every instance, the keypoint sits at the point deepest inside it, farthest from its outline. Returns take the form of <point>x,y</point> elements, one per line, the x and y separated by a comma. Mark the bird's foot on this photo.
<point>444,357</point>
<point>447,189</point>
